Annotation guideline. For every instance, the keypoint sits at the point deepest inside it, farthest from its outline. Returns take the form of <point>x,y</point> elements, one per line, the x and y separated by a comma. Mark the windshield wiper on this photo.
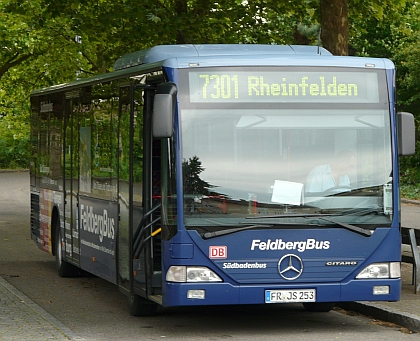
<point>364,211</point>
<point>262,224</point>
<point>265,225</point>
<point>353,228</point>
<point>292,215</point>
<point>218,233</point>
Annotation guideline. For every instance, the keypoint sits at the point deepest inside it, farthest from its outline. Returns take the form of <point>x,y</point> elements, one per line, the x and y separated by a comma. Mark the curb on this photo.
<point>381,312</point>
<point>24,304</point>
<point>20,170</point>
<point>410,201</point>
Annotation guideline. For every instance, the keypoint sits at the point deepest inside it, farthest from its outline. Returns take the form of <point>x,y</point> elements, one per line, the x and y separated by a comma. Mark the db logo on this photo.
<point>219,252</point>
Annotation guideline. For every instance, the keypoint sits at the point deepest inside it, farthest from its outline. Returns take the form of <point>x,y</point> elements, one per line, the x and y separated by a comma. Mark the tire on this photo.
<point>64,269</point>
<point>139,306</point>
<point>320,307</point>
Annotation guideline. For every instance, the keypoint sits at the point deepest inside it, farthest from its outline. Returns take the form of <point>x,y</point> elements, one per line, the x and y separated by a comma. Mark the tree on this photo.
<point>335,26</point>
<point>28,32</point>
<point>39,46</point>
<point>406,56</point>
<point>193,184</point>
<point>337,18</point>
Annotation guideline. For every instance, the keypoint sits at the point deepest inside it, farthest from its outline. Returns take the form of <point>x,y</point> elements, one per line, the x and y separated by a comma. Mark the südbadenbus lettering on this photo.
<point>246,265</point>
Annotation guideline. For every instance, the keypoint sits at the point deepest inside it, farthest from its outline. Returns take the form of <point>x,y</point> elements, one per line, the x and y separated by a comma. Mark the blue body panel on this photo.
<point>243,285</point>
<point>227,293</point>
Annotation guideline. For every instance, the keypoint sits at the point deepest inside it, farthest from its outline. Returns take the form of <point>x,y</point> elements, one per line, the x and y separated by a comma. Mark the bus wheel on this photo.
<point>321,307</point>
<point>139,306</point>
<point>64,268</point>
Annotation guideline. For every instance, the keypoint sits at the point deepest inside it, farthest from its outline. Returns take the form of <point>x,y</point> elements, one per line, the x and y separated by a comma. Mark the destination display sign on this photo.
<point>209,86</point>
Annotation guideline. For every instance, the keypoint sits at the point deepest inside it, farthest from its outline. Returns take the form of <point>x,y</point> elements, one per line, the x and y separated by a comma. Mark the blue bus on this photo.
<point>223,175</point>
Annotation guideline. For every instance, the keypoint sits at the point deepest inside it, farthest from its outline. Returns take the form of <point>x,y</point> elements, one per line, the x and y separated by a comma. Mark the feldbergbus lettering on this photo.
<point>100,224</point>
<point>280,244</point>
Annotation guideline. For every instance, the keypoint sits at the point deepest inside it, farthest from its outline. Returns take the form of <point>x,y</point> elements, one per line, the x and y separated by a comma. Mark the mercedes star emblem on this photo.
<point>290,267</point>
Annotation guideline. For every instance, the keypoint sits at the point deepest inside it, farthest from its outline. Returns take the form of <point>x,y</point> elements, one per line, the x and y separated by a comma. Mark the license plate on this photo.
<point>290,296</point>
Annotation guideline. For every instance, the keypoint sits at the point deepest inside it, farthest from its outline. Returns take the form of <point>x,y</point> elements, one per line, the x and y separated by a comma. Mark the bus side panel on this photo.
<point>41,220</point>
<point>46,168</point>
<point>34,185</point>
<point>98,231</point>
<point>49,200</point>
<point>42,206</point>
<point>35,218</point>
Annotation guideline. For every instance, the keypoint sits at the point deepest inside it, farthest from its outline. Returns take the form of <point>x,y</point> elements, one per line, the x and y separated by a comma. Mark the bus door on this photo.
<point>71,185</point>
<point>139,269</point>
<point>125,197</point>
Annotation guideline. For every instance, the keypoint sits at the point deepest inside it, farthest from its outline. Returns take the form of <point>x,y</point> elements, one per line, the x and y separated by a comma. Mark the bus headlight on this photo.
<point>381,270</point>
<point>191,274</point>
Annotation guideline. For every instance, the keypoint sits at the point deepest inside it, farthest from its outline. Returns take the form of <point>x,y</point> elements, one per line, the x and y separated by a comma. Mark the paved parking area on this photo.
<point>22,319</point>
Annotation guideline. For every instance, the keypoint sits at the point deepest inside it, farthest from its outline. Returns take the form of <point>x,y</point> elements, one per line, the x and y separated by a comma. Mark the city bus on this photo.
<point>182,177</point>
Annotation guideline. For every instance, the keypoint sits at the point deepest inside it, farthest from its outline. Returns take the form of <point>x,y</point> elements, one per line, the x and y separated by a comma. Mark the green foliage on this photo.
<point>14,142</point>
<point>47,42</point>
<point>410,192</point>
<point>396,36</point>
<point>408,62</point>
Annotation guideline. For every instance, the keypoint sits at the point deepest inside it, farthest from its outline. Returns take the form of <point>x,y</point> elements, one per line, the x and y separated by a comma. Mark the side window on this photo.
<point>55,143</point>
<point>85,142</point>
<point>138,152</point>
<point>124,144</point>
<point>99,142</point>
<point>35,134</point>
<point>43,166</point>
<point>49,136</point>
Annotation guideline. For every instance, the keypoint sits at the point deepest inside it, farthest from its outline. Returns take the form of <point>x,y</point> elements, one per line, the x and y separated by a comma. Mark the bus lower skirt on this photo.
<point>225,293</point>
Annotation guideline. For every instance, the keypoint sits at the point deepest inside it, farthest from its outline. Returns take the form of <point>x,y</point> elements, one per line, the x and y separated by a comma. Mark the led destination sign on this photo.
<point>284,87</point>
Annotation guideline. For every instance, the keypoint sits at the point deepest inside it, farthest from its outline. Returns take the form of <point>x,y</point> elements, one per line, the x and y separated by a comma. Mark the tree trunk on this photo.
<point>14,61</point>
<point>181,9</point>
<point>299,38</point>
<point>335,26</point>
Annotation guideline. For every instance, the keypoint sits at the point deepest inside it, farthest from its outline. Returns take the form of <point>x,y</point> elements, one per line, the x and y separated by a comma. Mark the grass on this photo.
<point>410,192</point>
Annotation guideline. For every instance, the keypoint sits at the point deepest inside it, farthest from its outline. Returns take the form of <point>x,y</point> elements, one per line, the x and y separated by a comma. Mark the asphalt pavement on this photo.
<point>22,319</point>
<point>405,312</point>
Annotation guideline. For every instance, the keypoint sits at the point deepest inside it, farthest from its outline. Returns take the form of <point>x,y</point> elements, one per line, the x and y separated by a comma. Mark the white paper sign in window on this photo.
<point>287,192</point>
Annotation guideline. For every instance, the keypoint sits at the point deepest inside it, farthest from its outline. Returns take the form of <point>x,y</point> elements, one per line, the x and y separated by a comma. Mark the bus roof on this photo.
<point>162,52</point>
<point>185,56</point>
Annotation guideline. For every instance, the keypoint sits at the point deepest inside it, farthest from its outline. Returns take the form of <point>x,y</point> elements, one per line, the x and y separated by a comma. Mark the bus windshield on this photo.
<point>285,146</point>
